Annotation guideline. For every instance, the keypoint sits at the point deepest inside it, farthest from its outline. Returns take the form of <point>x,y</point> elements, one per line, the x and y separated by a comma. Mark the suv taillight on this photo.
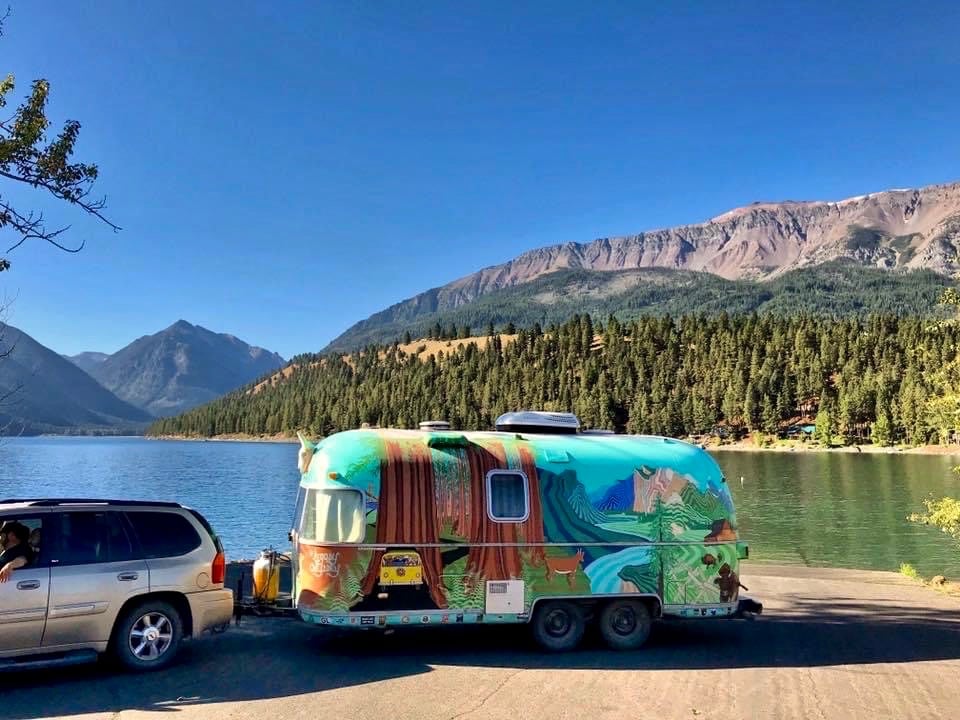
<point>218,571</point>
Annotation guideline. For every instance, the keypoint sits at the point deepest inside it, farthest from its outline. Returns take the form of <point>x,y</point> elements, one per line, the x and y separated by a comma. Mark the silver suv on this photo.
<point>128,577</point>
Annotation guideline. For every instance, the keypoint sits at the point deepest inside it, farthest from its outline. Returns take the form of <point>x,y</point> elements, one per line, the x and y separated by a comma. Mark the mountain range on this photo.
<point>887,252</point>
<point>157,375</point>
<point>43,392</point>
<point>178,368</point>
<point>732,261</point>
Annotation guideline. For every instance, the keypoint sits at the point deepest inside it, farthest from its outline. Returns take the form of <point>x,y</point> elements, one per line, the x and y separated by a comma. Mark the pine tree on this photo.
<point>881,432</point>
<point>825,424</point>
<point>769,420</point>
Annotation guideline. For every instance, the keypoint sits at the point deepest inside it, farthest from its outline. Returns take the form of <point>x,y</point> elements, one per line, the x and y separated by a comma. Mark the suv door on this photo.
<point>93,573</point>
<point>23,599</point>
<point>174,551</point>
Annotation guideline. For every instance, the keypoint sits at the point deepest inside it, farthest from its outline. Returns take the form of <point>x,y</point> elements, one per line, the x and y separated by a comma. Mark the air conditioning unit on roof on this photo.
<point>538,421</point>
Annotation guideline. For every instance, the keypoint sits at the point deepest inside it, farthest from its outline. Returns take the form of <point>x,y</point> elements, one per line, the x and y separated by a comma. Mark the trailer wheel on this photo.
<point>625,624</point>
<point>558,625</point>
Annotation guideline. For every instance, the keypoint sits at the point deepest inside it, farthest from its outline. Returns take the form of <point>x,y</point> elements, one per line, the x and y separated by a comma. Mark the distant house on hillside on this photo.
<point>733,432</point>
<point>798,431</point>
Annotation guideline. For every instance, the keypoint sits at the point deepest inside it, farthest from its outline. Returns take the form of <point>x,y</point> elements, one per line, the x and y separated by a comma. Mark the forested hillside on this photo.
<point>882,375</point>
<point>836,289</point>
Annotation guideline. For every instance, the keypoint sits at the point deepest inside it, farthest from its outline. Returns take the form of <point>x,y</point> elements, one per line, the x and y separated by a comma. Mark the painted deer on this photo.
<point>564,566</point>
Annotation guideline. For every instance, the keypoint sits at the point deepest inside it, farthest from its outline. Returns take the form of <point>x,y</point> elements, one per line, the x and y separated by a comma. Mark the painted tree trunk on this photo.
<point>407,514</point>
<point>531,531</point>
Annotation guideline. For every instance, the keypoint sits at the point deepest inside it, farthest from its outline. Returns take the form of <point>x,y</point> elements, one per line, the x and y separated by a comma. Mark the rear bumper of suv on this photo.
<point>210,608</point>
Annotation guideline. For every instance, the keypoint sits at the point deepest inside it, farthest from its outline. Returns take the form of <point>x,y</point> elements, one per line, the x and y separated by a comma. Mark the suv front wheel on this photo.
<point>148,636</point>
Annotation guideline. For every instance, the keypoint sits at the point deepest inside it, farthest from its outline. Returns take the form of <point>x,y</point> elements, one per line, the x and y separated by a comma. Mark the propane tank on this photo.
<point>266,576</point>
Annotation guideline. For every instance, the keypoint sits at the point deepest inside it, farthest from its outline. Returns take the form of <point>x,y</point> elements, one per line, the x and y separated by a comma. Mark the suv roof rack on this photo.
<point>50,502</point>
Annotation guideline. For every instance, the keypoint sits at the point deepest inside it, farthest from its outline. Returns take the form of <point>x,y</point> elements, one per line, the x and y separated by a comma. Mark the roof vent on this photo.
<point>429,425</point>
<point>536,421</point>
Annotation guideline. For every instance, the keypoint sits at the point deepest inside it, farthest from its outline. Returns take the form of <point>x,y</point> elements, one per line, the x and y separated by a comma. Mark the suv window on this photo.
<point>36,527</point>
<point>209,528</point>
<point>163,534</point>
<point>86,537</point>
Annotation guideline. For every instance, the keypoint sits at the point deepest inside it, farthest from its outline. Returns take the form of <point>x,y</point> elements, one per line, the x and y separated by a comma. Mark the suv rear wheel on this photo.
<point>148,636</point>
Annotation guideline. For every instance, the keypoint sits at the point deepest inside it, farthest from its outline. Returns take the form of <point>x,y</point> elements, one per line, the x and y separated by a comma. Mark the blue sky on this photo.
<point>282,170</point>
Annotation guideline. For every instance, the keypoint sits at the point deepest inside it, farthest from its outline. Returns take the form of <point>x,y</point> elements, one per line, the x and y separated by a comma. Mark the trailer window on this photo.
<point>507,497</point>
<point>334,516</point>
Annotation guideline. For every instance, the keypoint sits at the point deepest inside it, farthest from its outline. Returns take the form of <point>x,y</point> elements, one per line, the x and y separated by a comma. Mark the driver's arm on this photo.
<point>5,571</point>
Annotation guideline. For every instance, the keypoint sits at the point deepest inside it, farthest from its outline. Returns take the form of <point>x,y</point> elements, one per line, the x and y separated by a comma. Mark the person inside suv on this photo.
<point>35,542</point>
<point>16,551</point>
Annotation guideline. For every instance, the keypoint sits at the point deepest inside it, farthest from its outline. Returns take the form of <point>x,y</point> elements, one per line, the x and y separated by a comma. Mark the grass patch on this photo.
<point>908,570</point>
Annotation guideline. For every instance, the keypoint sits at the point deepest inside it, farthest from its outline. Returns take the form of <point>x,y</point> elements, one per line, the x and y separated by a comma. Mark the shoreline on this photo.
<point>747,446</point>
<point>739,446</point>
<point>234,437</point>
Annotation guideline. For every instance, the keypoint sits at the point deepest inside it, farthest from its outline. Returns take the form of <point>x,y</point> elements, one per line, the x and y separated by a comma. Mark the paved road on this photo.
<point>831,644</point>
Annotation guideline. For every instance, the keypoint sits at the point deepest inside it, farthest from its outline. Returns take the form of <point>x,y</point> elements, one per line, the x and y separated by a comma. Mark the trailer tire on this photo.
<point>558,625</point>
<point>625,624</point>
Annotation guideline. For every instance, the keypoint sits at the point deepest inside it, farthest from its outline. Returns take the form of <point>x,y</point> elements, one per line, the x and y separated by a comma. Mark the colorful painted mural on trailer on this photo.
<point>406,526</point>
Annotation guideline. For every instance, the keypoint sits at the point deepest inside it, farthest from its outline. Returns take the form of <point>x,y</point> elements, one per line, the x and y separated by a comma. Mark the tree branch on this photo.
<point>32,229</point>
<point>92,208</point>
<point>27,157</point>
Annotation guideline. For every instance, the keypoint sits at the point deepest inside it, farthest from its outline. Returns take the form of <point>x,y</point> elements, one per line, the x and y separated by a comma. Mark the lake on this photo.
<point>819,509</point>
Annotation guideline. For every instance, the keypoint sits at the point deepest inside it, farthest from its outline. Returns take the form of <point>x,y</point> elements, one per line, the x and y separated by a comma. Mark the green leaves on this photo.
<point>5,87</point>
<point>943,514</point>
<point>27,157</point>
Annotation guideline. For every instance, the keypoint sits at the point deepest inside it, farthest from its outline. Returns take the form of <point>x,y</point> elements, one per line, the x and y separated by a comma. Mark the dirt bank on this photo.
<point>749,446</point>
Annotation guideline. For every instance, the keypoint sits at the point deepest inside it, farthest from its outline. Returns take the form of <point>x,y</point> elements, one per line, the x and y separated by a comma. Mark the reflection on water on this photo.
<point>840,509</point>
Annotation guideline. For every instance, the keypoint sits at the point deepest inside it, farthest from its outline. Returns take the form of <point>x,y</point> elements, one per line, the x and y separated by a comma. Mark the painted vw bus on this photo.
<point>537,522</point>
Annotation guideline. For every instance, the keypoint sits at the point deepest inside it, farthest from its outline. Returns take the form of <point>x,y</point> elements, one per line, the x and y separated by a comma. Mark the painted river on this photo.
<point>820,509</point>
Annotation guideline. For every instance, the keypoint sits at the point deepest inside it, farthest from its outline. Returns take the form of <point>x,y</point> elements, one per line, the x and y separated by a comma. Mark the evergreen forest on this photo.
<point>881,379</point>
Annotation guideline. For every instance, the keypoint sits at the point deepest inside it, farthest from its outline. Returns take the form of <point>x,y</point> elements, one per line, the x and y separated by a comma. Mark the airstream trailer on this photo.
<point>537,522</point>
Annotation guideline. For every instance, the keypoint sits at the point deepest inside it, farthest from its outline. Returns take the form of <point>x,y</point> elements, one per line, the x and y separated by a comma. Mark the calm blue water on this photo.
<point>841,510</point>
<point>246,490</point>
